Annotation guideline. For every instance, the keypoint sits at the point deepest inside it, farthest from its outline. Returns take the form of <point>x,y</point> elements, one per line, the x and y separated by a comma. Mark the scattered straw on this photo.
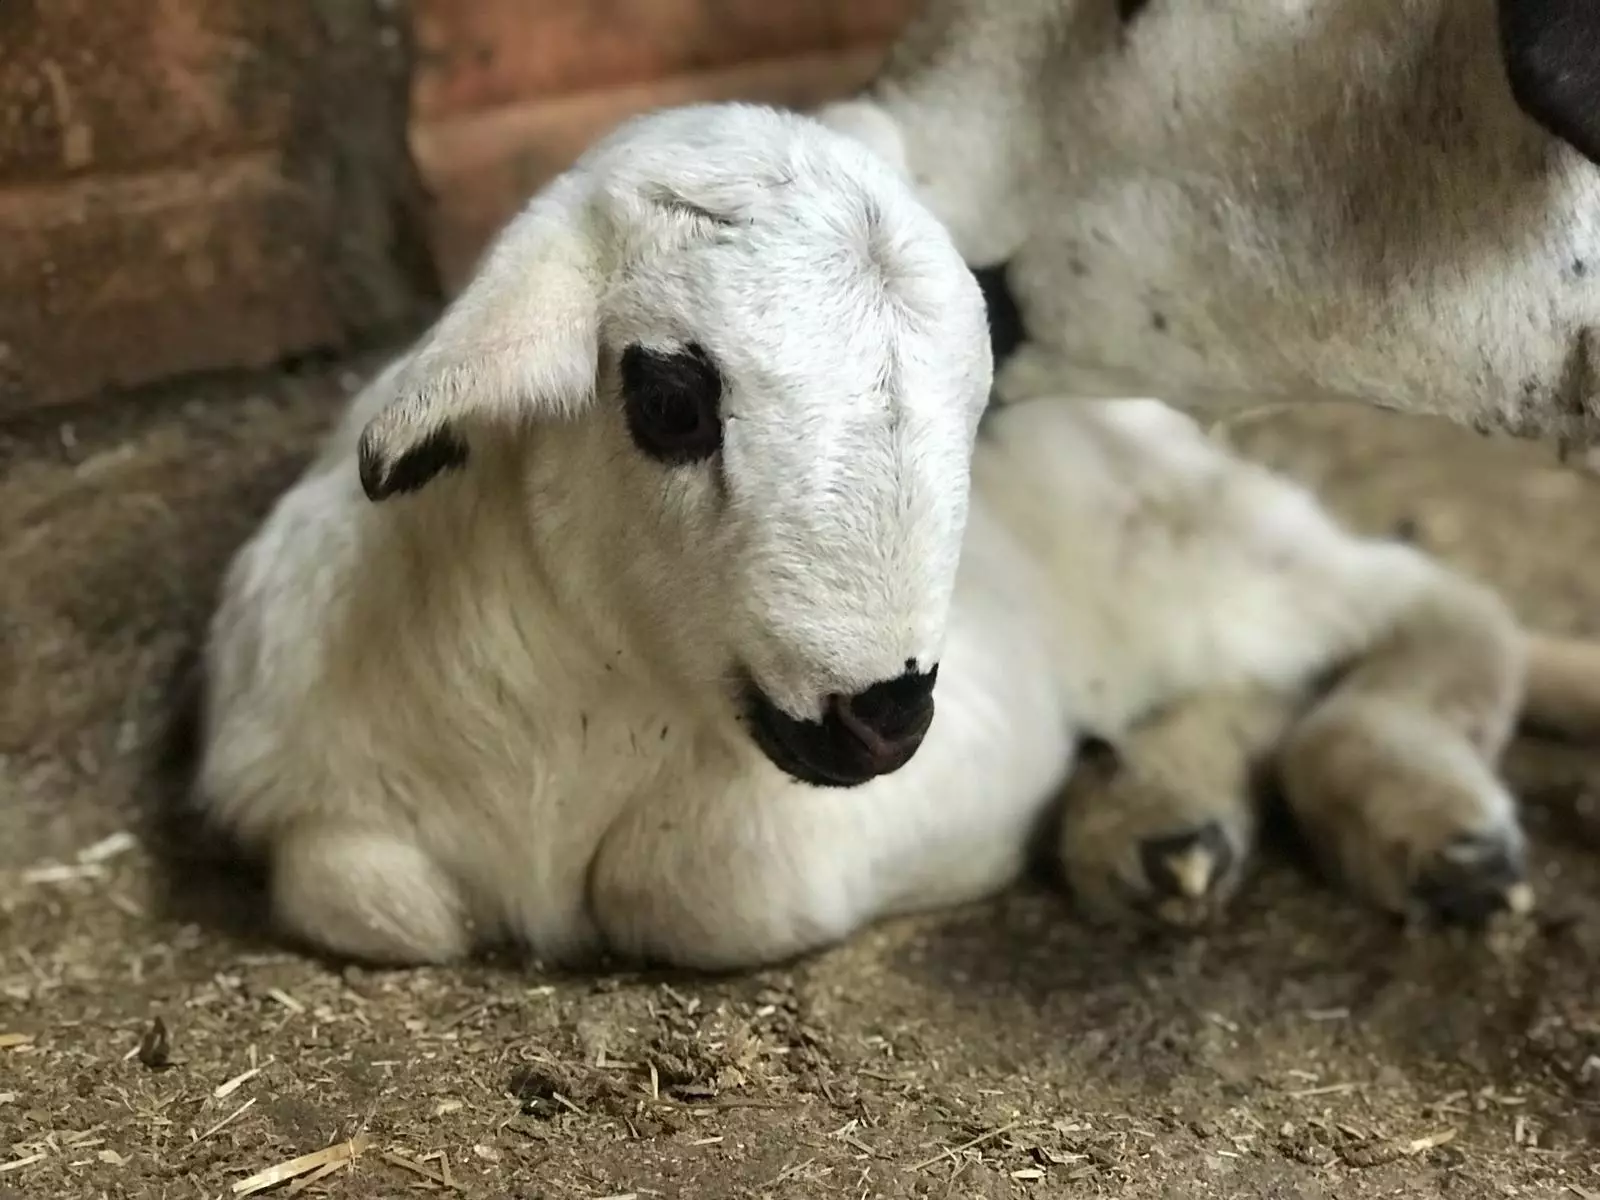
<point>971,1144</point>
<point>342,1153</point>
<point>282,997</point>
<point>16,1164</point>
<point>226,1121</point>
<point>1327,1089</point>
<point>108,848</point>
<point>14,1041</point>
<point>416,1168</point>
<point>1431,1142</point>
<point>316,1177</point>
<point>62,873</point>
<point>227,1088</point>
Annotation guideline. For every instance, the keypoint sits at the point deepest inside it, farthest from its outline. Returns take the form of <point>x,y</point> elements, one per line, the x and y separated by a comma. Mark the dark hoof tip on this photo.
<point>1473,880</point>
<point>1188,866</point>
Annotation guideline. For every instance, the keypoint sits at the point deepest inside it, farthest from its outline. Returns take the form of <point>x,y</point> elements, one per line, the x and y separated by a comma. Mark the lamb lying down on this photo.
<point>611,614</point>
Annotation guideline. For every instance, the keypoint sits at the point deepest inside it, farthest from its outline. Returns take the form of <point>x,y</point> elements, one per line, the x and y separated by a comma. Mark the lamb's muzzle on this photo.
<point>873,732</point>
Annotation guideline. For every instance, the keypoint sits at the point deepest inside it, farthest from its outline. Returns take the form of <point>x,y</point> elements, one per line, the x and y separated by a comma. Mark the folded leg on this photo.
<point>1391,776</point>
<point>1161,824</point>
<point>369,894</point>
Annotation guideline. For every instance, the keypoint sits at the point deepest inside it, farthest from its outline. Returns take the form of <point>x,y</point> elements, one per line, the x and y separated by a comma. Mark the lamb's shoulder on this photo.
<point>359,681</point>
<point>400,657</point>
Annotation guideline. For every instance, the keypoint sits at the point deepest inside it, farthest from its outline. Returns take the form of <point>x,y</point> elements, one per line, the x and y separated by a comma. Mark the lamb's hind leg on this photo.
<point>1161,825</point>
<point>1391,776</point>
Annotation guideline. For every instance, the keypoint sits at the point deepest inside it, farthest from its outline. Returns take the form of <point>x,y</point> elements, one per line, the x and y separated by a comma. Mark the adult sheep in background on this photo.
<point>610,615</point>
<point>1390,201</point>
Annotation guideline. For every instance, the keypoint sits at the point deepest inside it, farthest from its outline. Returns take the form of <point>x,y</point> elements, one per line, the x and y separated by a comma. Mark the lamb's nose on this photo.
<point>889,719</point>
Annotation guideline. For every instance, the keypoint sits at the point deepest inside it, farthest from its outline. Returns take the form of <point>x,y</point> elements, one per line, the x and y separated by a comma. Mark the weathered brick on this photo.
<point>476,54</point>
<point>132,279</point>
<point>243,190</point>
<point>481,168</point>
<point>100,85</point>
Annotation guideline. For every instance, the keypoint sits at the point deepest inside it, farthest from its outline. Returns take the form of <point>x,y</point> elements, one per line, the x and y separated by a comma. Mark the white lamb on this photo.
<point>610,614</point>
<point>1394,201</point>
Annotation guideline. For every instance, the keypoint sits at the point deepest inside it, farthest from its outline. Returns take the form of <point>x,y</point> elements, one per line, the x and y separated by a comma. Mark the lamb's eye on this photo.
<point>673,403</point>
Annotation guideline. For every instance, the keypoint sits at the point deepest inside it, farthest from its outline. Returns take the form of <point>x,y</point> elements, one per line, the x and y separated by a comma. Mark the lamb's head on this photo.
<point>741,369</point>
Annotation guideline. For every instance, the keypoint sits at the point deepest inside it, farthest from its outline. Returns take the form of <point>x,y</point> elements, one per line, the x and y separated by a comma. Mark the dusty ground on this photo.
<point>1308,1050</point>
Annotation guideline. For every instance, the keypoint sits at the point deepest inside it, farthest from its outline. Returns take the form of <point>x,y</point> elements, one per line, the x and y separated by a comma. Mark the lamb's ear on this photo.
<point>518,343</point>
<point>1551,50</point>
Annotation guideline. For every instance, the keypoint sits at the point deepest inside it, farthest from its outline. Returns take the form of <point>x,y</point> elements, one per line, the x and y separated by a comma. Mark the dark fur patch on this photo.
<point>442,450</point>
<point>1006,331</point>
<point>1551,51</point>
<point>1099,755</point>
<point>1127,10</point>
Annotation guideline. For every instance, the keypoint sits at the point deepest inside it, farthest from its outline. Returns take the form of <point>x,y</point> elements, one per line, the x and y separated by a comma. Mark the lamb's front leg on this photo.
<point>1392,775</point>
<point>735,872</point>
<point>368,893</point>
<point>1161,825</point>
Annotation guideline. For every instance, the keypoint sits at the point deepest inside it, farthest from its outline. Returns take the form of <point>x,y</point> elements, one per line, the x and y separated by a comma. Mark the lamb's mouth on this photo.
<point>813,752</point>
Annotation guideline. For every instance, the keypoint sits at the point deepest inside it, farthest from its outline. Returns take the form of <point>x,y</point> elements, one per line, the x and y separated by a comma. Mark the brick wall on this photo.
<point>194,184</point>
<point>198,184</point>
<point>506,93</point>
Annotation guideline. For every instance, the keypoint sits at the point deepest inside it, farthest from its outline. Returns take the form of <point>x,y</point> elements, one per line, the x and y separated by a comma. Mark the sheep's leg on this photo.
<point>1391,776</point>
<point>1162,824</point>
<point>367,894</point>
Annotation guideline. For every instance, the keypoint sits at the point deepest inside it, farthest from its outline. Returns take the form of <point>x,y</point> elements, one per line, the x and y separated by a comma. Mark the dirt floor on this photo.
<point>152,1044</point>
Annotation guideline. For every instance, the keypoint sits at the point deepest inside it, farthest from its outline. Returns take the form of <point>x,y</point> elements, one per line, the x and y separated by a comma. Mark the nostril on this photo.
<point>887,716</point>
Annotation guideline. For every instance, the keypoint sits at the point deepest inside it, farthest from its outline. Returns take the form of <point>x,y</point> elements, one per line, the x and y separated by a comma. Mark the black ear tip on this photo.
<point>369,463</point>
<point>413,469</point>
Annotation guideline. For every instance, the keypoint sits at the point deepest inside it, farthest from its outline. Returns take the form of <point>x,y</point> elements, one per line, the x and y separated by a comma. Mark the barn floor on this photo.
<point>1306,1050</point>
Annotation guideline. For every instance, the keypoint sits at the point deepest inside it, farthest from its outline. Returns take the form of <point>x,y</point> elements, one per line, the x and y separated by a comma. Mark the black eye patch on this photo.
<point>672,401</point>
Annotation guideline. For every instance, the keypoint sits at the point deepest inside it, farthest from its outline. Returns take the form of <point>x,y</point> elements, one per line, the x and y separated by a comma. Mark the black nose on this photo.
<point>889,719</point>
<point>871,733</point>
